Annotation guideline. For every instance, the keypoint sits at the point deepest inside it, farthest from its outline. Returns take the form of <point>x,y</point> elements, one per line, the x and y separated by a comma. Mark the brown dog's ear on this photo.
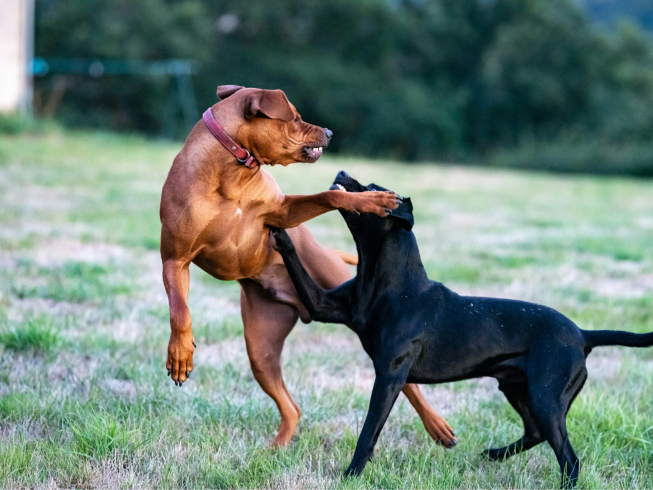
<point>225,91</point>
<point>271,103</point>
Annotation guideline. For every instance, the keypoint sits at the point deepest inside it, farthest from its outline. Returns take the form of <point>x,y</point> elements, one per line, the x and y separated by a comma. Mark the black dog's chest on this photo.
<point>387,324</point>
<point>363,327</point>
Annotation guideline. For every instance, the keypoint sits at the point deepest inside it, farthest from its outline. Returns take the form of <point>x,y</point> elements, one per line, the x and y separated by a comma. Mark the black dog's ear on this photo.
<point>404,214</point>
<point>225,91</point>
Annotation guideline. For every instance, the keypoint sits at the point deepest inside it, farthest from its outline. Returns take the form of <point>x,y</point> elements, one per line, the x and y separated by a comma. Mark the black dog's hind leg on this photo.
<point>552,390</point>
<point>517,395</point>
<point>554,428</point>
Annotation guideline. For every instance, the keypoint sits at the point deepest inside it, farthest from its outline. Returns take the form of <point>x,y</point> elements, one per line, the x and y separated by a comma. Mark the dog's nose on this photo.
<point>343,175</point>
<point>328,133</point>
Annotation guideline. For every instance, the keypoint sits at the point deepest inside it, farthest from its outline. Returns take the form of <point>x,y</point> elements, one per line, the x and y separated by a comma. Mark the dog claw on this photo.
<point>194,344</point>
<point>169,372</point>
<point>188,374</point>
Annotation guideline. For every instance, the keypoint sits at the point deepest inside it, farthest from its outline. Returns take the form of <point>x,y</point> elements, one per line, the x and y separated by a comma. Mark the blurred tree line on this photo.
<point>529,83</point>
<point>608,12</point>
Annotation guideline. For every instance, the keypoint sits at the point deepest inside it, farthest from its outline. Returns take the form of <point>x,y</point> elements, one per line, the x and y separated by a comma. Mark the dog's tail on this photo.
<point>346,258</point>
<point>597,338</point>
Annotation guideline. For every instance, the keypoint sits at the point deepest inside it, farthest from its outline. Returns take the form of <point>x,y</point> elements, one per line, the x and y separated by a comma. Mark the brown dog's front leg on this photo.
<point>435,425</point>
<point>182,344</point>
<point>294,210</point>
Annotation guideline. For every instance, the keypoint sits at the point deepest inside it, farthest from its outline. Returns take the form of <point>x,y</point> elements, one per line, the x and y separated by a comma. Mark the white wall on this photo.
<point>16,51</point>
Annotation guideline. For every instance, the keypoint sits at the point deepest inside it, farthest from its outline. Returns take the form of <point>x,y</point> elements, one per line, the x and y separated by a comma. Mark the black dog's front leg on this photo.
<point>384,394</point>
<point>388,384</point>
<point>324,306</point>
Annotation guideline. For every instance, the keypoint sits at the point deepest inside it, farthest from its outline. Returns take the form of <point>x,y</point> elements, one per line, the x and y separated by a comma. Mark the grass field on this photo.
<point>84,397</point>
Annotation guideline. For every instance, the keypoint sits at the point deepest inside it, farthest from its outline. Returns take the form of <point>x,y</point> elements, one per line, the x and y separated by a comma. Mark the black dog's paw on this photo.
<point>282,242</point>
<point>354,471</point>
<point>494,454</point>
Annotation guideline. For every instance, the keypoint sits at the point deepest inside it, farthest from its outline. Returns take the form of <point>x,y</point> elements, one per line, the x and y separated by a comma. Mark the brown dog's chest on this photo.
<point>254,258</point>
<point>218,222</point>
<point>233,245</point>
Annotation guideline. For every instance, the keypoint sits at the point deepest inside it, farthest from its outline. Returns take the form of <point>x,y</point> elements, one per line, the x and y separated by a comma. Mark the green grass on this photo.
<point>103,433</point>
<point>33,334</point>
<point>73,281</point>
<point>84,399</point>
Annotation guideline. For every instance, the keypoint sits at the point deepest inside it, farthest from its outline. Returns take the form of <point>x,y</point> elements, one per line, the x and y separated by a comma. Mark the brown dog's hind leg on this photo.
<point>435,425</point>
<point>267,324</point>
<point>182,344</point>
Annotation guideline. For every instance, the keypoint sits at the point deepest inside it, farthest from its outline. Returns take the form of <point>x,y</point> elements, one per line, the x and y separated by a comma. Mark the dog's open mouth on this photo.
<point>312,153</point>
<point>337,187</point>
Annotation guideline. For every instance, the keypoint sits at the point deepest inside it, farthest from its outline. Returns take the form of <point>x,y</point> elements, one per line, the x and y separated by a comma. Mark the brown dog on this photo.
<point>215,213</point>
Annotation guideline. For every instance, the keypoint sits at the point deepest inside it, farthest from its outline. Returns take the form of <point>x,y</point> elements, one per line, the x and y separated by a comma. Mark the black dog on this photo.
<point>418,331</point>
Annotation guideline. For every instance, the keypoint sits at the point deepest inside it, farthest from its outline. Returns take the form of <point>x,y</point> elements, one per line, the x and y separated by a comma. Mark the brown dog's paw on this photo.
<point>380,203</point>
<point>440,430</point>
<point>180,357</point>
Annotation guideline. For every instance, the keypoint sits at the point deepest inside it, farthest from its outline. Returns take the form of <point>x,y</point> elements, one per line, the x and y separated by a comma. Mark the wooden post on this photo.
<point>16,53</point>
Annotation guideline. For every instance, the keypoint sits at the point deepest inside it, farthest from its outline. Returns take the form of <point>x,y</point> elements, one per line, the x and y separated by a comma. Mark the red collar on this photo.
<point>241,154</point>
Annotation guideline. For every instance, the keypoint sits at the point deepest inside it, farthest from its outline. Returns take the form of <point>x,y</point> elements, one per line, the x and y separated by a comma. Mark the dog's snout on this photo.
<point>343,175</point>
<point>328,133</point>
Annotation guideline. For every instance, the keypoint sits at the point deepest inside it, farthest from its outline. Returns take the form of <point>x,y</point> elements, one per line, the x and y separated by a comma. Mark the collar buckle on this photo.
<point>248,161</point>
